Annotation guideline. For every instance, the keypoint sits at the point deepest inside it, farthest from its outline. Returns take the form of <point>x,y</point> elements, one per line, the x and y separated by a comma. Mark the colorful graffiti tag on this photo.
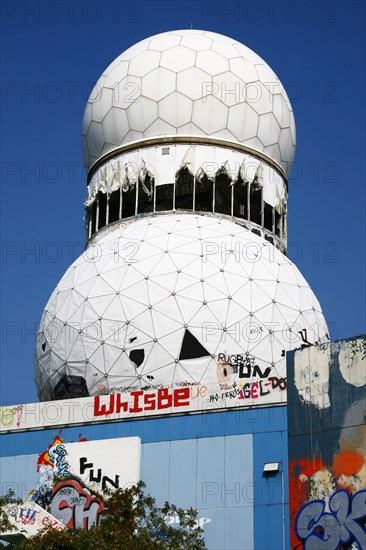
<point>29,518</point>
<point>73,477</point>
<point>240,381</point>
<point>11,416</point>
<point>51,465</point>
<point>318,528</point>
<point>327,446</point>
<point>64,496</point>
<point>75,506</point>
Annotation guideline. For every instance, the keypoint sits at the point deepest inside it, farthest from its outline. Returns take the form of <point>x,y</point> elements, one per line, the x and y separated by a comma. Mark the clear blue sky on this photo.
<point>59,49</point>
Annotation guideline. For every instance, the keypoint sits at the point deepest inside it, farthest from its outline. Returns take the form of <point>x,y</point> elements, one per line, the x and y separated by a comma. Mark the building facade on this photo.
<point>161,353</point>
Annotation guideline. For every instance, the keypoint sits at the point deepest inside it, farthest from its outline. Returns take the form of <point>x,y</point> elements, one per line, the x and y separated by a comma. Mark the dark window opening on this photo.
<point>256,232</point>
<point>70,386</point>
<point>268,216</point>
<point>256,205</point>
<point>241,199</point>
<point>164,197</point>
<point>137,356</point>
<point>93,217</point>
<point>102,200</point>
<point>204,192</point>
<point>114,206</point>
<point>223,194</point>
<point>184,190</point>
<point>146,195</point>
<point>191,348</point>
<point>129,202</point>
<point>277,223</point>
<point>269,238</point>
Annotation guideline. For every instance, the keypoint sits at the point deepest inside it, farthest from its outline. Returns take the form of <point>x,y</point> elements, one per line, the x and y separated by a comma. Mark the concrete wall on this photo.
<point>327,445</point>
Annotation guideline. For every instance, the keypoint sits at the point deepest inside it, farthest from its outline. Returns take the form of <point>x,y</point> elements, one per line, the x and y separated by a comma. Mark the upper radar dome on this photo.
<point>192,83</point>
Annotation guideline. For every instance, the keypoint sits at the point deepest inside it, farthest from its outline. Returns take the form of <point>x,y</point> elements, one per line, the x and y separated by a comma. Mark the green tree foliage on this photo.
<point>5,501</point>
<point>131,521</point>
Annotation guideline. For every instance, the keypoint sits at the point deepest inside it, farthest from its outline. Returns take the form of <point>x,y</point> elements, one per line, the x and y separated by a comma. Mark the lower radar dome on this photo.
<point>169,301</point>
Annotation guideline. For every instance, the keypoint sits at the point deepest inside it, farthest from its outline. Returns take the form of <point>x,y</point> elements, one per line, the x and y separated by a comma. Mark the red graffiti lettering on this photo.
<point>136,396</point>
<point>163,399</point>
<point>181,397</point>
<point>254,390</point>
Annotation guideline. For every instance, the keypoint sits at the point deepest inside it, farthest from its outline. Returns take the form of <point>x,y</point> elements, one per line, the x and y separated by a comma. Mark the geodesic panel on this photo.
<point>227,50</point>
<point>164,300</point>
<point>230,89</point>
<point>119,71</point>
<point>193,83</point>
<point>158,84</point>
<point>144,63</point>
<point>127,92</point>
<point>159,127</point>
<point>198,65</point>
<point>142,113</point>
<point>260,98</point>
<point>285,140</point>
<point>269,129</point>
<point>210,115</point>
<point>212,62</point>
<point>244,69</point>
<point>178,58</point>
<point>113,124</point>
<point>95,139</point>
<point>102,104</point>
<point>243,121</point>
<point>162,42</point>
<point>176,109</point>
<point>197,42</point>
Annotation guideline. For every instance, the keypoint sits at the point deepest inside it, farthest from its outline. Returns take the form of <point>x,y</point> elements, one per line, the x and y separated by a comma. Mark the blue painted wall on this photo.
<point>212,462</point>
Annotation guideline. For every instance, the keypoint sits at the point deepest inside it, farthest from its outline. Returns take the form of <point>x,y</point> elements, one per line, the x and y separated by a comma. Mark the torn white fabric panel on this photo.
<point>165,165</point>
<point>130,176</point>
<point>243,172</point>
<point>205,159</point>
<point>130,170</point>
<point>103,180</point>
<point>280,194</point>
<point>93,184</point>
<point>200,174</point>
<point>269,186</point>
<point>143,173</point>
<point>116,176</point>
<point>257,182</point>
<point>92,193</point>
<point>251,165</point>
<point>223,160</point>
<point>278,204</point>
<point>225,169</point>
<point>188,160</point>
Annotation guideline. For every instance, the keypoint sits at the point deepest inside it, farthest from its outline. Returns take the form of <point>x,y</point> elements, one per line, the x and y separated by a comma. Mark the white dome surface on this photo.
<point>156,301</point>
<point>189,82</point>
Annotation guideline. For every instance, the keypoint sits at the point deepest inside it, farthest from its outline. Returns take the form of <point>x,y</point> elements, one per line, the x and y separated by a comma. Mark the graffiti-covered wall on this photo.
<point>212,462</point>
<point>327,446</point>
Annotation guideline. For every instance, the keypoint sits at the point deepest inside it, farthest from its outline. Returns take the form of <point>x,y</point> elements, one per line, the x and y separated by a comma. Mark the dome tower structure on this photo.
<point>188,140</point>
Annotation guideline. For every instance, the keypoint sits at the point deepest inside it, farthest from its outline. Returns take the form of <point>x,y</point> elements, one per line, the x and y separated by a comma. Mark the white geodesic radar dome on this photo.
<point>157,301</point>
<point>189,82</point>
